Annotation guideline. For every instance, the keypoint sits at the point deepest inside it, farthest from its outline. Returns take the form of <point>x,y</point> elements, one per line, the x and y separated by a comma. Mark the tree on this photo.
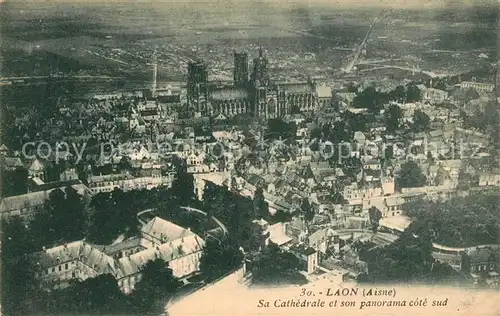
<point>49,225</point>
<point>370,99</point>
<point>157,285</point>
<point>400,94</point>
<point>261,208</point>
<point>125,164</point>
<point>277,128</point>
<point>458,222</point>
<point>276,266</point>
<point>407,259</point>
<point>220,257</point>
<point>306,210</point>
<point>14,182</point>
<point>413,93</point>
<point>17,271</point>
<point>392,117</point>
<point>75,217</point>
<point>410,176</point>
<point>183,187</point>
<point>374,215</point>
<point>157,273</point>
<point>421,121</point>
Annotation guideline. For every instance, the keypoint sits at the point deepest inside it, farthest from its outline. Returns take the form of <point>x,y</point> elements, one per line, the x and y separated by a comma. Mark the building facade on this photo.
<point>258,95</point>
<point>59,266</point>
<point>240,75</point>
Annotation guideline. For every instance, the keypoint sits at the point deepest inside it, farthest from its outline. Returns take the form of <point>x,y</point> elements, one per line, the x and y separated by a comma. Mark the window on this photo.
<point>66,266</point>
<point>73,274</point>
<point>53,269</point>
<point>60,268</point>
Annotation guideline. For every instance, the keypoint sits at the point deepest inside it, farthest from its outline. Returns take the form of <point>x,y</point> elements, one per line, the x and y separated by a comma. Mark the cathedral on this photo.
<point>253,93</point>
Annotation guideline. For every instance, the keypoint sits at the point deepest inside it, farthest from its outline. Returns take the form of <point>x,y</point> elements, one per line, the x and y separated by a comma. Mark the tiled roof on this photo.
<point>296,87</point>
<point>165,230</point>
<point>167,252</point>
<point>19,202</point>
<point>229,94</point>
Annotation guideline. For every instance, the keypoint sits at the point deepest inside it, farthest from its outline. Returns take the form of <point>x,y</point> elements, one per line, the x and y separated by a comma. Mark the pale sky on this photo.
<point>346,3</point>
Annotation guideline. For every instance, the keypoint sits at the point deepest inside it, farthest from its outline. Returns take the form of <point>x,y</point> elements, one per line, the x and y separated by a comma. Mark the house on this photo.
<point>433,95</point>
<point>125,182</point>
<point>487,178</point>
<point>308,257</point>
<point>324,96</point>
<point>183,257</point>
<point>57,267</point>
<point>36,169</point>
<point>217,178</point>
<point>26,205</point>
<point>277,234</point>
<point>159,231</point>
<point>484,259</point>
<point>478,86</point>
<point>11,163</point>
<point>68,174</point>
<point>321,240</point>
<point>371,164</point>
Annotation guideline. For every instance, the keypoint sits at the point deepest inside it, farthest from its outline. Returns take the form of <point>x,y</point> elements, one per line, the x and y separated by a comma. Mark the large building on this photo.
<point>260,96</point>
<point>479,86</point>
<point>240,75</point>
<point>497,80</point>
<point>59,266</point>
<point>197,85</point>
<point>27,205</point>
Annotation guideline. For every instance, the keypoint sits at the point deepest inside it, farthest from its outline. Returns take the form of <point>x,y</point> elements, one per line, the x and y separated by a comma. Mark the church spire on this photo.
<point>260,51</point>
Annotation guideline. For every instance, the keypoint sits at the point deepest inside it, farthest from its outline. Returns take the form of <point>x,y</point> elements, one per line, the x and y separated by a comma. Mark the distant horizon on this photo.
<point>403,4</point>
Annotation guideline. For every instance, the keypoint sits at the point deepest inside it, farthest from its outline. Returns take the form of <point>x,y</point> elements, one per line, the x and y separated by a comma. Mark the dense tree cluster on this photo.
<point>95,296</point>
<point>107,207</point>
<point>374,100</point>
<point>374,215</point>
<point>220,257</point>
<point>157,285</point>
<point>277,128</point>
<point>393,115</point>
<point>460,221</point>
<point>234,210</point>
<point>277,266</point>
<point>406,260</point>
<point>14,182</point>
<point>66,217</point>
<point>421,121</point>
<point>410,176</point>
<point>306,210</point>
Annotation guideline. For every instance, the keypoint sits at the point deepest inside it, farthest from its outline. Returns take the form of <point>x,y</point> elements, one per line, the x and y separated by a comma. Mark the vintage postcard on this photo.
<point>250,157</point>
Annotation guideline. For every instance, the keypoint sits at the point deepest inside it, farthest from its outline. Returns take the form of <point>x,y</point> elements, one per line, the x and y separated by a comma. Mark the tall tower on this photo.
<point>197,86</point>
<point>497,79</point>
<point>260,70</point>
<point>197,77</point>
<point>240,74</point>
<point>155,74</point>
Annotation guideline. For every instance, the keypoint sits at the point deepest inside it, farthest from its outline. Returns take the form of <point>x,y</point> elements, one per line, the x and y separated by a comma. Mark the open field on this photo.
<point>85,38</point>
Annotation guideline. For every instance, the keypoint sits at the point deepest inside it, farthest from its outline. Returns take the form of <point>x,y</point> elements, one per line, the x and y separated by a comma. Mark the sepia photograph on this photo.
<point>249,157</point>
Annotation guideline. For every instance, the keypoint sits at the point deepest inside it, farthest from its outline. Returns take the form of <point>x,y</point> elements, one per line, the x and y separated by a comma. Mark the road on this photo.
<point>57,77</point>
<point>428,73</point>
<point>221,225</point>
<point>359,49</point>
<point>187,208</point>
